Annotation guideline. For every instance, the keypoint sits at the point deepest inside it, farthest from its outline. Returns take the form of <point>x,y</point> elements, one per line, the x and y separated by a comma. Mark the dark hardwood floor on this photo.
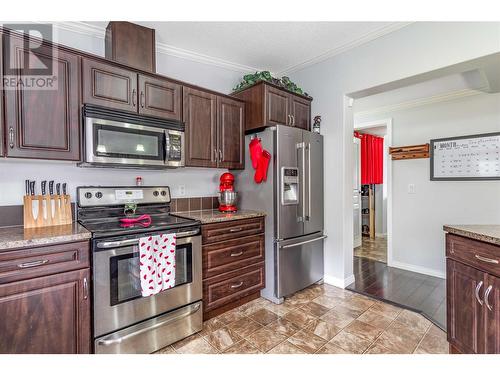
<point>415,291</point>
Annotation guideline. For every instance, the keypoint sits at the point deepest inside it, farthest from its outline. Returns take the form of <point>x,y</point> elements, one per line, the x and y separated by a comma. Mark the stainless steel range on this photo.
<point>124,321</point>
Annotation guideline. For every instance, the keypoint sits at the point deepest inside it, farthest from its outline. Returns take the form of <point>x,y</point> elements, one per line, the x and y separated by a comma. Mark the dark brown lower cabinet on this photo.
<point>49,314</point>
<point>473,296</point>
<point>233,264</point>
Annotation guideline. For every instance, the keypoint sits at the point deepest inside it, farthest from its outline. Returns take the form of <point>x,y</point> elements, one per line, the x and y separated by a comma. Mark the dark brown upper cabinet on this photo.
<point>269,105</point>
<point>277,108</point>
<point>131,44</point>
<point>231,133</point>
<point>109,86</point>
<point>300,112</point>
<point>55,313</point>
<point>200,119</point>
<point>159,98</point>
<point>43,123</point>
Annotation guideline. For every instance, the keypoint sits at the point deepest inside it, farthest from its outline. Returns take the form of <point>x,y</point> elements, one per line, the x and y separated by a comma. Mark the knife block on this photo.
<point>51,210</point>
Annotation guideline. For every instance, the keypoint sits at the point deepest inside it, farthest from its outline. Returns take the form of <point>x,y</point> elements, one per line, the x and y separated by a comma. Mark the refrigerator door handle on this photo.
<point>308,216</point>
<point>303,148</point>
<point>303,242</point>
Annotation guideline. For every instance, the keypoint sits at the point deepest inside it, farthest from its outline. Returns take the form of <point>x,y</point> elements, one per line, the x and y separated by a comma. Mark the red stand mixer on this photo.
<point>227,195</point>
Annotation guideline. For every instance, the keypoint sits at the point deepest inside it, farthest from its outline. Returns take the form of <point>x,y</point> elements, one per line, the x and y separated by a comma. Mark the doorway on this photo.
<point>370,200</point>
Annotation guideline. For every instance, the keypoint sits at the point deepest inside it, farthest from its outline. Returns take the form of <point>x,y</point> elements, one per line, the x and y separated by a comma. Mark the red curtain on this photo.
<point>372,156</point>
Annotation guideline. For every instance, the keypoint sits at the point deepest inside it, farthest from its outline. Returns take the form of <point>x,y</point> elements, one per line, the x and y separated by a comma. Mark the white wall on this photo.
<point>198,182</point>
<point>417,235</point>
<point>416,49</point>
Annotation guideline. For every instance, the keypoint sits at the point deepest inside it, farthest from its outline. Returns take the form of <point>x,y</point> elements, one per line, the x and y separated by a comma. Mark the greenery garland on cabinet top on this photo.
<point>284,82</point>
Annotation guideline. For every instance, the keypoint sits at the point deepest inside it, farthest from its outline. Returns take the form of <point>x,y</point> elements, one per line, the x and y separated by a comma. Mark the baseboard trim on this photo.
<point>417,269</point>
<point>339,283</point>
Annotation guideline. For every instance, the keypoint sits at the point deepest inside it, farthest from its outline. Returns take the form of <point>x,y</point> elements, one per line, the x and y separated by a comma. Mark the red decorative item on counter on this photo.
<point>227,196</point>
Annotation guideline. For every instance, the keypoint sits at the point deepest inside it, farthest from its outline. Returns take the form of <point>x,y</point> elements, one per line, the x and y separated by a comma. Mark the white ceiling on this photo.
<point>279,47</point>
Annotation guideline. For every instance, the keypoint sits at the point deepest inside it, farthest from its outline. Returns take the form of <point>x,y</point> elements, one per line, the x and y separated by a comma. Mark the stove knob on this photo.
<point>88,195</point>
<point>98,195</point>
<point>163,193</point>
<point>156,193</point>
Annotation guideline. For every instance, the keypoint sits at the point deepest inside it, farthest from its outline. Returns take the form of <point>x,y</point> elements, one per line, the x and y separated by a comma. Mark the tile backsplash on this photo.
<point>193,204</point>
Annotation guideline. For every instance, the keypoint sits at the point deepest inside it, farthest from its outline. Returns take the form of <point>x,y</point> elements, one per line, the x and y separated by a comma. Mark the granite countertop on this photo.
<point>485,233</point>
<point>215,216</point>
<point>16,237</point>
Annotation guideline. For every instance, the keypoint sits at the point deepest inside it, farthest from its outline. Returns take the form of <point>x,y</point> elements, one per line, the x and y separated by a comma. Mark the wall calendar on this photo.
<point>472,157</point>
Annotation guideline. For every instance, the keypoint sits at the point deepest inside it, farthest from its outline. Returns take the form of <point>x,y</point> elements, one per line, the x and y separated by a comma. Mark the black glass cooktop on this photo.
<point>113,226</point>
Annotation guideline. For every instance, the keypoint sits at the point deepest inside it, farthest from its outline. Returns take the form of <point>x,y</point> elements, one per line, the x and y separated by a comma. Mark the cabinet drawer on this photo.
<point>477,254</point>
<point>233,254</point>
<point>231,229</point>
<point>33,262</point>
<point>231,286</point>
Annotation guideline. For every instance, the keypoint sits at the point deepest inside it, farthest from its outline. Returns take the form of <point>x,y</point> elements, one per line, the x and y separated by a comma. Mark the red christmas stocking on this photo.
<point>255,151</point>
<point>261,172</point>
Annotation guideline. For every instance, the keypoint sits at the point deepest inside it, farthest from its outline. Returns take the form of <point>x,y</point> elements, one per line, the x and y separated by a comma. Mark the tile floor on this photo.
<point>320,319</point>
<point>372,248</point>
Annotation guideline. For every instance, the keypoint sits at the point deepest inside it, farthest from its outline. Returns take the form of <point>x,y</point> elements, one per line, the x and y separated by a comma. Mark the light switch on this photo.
<point>411,188</point>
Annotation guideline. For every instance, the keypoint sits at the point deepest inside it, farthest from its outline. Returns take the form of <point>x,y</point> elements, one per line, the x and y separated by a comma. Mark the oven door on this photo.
<point>117,289</point>
<point>113,142</point>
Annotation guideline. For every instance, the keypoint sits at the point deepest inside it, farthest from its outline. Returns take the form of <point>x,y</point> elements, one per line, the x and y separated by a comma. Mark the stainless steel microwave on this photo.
<point>123,140</point>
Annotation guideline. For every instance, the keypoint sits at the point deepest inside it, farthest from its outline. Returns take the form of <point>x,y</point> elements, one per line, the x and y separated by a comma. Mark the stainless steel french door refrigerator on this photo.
<point>292,197</point>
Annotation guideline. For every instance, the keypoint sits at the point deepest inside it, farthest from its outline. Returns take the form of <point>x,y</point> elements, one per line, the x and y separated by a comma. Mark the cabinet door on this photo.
<point>465,314</point>
<point>492,312</point>
<point>50,314</point>
<point>43,123</point>
<point>277,107</point>
<point>109,86</point>
<point>301,112</point>
<point>159,98</point>
<point>200,119</point>
<point>231,130</point>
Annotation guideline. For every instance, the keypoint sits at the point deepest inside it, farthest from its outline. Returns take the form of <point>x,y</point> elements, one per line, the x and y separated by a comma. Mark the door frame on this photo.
<point>387,182</point>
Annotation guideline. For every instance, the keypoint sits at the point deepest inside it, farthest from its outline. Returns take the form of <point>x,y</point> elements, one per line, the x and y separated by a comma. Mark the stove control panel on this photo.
<point>92,196</point>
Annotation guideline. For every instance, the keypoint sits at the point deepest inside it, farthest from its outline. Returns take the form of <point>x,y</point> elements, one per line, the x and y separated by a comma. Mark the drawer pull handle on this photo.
<point>487,260</point>
<point>478,288</point>
<point>237,254</point>
<point>234,286</point>
<point>234,230</point>
<point>487,297</point>
<point>36,263</point>
<point>85,288</point>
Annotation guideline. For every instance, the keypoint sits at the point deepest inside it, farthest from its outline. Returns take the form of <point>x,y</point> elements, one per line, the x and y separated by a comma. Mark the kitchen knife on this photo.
<point>32,187</point>
<point>27,186</point>
<point>51,187</point>
<point>44,187</point>
<point>58,188</point>
<point>64,188</point>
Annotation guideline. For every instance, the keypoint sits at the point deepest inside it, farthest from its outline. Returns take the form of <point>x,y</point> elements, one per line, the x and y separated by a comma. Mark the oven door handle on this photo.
<point>135,241</point>
<point>118,340</point>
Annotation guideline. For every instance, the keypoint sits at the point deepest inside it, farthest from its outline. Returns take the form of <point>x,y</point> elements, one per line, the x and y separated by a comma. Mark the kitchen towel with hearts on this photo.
<point>157,263</point>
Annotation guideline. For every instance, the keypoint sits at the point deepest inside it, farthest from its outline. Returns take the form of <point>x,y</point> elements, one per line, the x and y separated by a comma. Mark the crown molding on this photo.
<point>419,102</point>
<point>372,35</point>
<point>161,48</point>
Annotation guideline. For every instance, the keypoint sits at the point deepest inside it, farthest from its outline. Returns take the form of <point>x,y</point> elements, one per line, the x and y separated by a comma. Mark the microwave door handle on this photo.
<point>167,146</point>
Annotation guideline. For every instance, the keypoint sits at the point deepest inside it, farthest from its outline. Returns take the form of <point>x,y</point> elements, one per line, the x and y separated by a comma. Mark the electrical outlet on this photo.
<point>411,188</point>
<point>182,190</point>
